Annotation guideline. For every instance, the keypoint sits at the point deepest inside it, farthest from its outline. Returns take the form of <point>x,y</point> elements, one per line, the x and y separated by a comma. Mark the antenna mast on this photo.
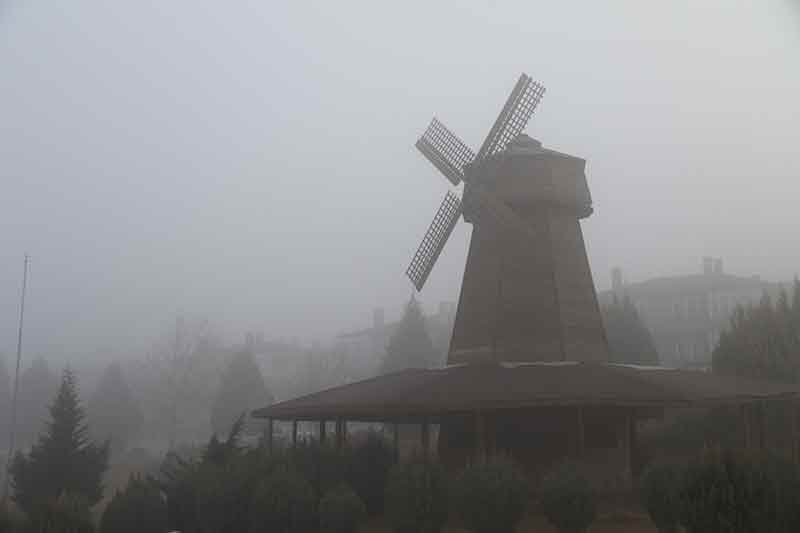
<point>13,428</point>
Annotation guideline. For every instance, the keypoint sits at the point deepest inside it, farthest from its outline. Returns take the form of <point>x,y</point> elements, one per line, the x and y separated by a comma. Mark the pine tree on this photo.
<point>410,346</point>
<point>37,384</point>
<point>241,389</point>
<point>113,412</point>
<point>6,388</point>
<point>629,340</point>
<point>63,460</point>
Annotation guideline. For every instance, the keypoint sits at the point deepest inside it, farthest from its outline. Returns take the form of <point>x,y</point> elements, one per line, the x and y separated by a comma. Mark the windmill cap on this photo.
<point>524,143</point>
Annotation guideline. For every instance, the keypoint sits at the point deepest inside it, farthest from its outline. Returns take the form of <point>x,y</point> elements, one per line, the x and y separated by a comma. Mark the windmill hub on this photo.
<point>527,292</point>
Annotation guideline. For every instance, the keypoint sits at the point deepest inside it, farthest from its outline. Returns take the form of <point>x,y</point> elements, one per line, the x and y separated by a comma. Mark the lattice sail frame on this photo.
<point>434,240</point>
<point>514,116</point>
<point>445,150</point>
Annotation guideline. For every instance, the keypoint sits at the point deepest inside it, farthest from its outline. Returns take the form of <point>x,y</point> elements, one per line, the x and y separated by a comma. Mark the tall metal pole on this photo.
<point>13,428</point>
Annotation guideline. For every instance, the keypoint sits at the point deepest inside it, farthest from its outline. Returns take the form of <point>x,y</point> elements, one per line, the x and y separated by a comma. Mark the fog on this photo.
<point>253,162</point>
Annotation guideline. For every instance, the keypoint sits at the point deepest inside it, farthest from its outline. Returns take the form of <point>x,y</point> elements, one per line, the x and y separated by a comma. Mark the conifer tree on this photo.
<point>63,460</point>
<point>410,346</point>
<point>241,389</point>
<point>37,385</point>
<point>113,412</point>
<point>629,340</point>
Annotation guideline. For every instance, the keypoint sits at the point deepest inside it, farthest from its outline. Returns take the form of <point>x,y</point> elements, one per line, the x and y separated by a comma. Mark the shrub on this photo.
<point>340,511</point>
<point>661,488</point>
<point>137,509</point>
<point>322,465</point>
<point>491,497</point>
<point>740,493</point>
<point>222,498</point>
<point>11,520</point>
<point>69,513</point>
<point>416,497</point>
<point>369,469</point>
<point>284,502</point>
<point>568,500</point>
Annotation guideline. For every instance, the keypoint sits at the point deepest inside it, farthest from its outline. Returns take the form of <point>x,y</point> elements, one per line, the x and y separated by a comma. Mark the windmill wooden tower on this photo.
<point>527,293</point>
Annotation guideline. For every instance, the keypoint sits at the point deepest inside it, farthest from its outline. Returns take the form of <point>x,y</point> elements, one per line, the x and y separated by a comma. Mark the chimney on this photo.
<point>378,318</point>
<point>616,279</point>
<point>708,265</point>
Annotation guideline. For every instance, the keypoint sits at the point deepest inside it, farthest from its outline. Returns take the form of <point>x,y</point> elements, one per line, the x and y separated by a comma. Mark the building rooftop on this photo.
<point>432,393</point>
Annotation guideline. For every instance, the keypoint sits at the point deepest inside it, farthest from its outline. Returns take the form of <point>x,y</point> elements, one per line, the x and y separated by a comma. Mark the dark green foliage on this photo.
<point>241,390</point>
<point>139,508</point>
<point>763,341</point>
<point>491,497</point>
<point>283,503</point>
<point>568,501</point>
<point>11,520</point>
<point>340,511</point>
<point>369,469</point>
<point>6,389</point>
<point>113,412</point>
<point>629,340</point>
<point>735,493</point>
<point>68,513</point>
<point>417,497</point>
<point>322,465</point>
<point>63,459</point>
<point>37,385</point>
<point>222,452</point>
<point>411,345</point>
<point>661,495</point>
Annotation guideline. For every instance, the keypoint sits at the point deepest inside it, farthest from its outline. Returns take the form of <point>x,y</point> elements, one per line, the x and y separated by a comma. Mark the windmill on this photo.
<point>527,292</point>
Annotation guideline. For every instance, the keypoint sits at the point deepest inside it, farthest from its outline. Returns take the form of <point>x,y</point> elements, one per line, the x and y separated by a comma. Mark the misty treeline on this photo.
<point>763,340</point>
<point>629,340</point>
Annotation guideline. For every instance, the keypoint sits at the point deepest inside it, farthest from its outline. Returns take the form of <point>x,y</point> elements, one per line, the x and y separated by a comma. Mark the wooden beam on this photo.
<point>480,436</point>
<point>744,413</point>
<point>761,423</point>
<point>426,438</point>
<point>396,440</point>
<point>793,428</point>
<point>581,450</point>
<point>322,431</point>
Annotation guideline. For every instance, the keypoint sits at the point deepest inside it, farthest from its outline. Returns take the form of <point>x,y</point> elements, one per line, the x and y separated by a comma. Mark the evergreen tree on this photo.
<point>6,391</point>
<point>763,340</point>
<point>410,346</point>
<point>37,384</point>
<point>113,412</point>
<point>629,340</point>
<point>63,460</point>
<point>241,389</point>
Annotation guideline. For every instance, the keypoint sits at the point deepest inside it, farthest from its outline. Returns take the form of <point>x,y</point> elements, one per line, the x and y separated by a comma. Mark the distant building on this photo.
<point>686,314</point>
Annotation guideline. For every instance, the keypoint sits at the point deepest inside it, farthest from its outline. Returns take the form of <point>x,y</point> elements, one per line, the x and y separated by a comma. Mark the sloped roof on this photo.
<point>465,388</point>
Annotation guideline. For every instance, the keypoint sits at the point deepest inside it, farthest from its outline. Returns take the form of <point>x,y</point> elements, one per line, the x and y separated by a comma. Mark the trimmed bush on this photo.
<point>370,464</point>
<point>322,465</point>
<point>416,497</point>
<point>491,497</point>
<point>69,513</point>
<point>567,499</point>
<point>738,493</point>
<point>340,511</point>
<point>661,495</point>
<point>138,508</point>
<point>284,502</point>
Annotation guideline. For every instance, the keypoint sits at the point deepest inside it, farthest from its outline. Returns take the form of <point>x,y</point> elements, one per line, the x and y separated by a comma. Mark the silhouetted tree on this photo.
<point>410,346</point>
<point>763,341</point>
<point>629,340</point>
<point>37,385</point>
<point>241,389</point>
<point>63,460</point>
<point>113,412</point>
<point>6,390</point>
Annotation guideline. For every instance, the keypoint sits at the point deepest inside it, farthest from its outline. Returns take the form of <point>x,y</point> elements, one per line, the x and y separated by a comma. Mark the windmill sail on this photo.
<point>445,150</point>
<point>434,240</point>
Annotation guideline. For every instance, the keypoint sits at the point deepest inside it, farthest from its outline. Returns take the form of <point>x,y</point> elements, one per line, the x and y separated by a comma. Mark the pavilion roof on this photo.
<point>432,393</point>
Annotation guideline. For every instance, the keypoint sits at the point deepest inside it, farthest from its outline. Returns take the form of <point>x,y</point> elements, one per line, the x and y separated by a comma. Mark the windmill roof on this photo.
<point>433,393</point>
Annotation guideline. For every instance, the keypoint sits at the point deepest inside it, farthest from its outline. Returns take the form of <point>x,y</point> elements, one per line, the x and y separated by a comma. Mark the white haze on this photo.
<point>253,162</point>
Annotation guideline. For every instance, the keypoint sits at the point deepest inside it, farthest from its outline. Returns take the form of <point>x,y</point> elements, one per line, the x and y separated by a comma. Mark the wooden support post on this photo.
<point>294,433</point>
<point>396,440</point>
<point>480,436</point>
<point>762,430</point>
<point>426,438</point>
<point>269,436</point>
<point>322,429</point>
<point>338,433</point>
<point>581,448</point>
<point>744,411</point>
<point>626,447</point>
<point>793,429</point>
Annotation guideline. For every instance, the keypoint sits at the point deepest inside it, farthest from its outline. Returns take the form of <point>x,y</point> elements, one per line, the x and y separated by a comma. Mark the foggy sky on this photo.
<point>253,162</point>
